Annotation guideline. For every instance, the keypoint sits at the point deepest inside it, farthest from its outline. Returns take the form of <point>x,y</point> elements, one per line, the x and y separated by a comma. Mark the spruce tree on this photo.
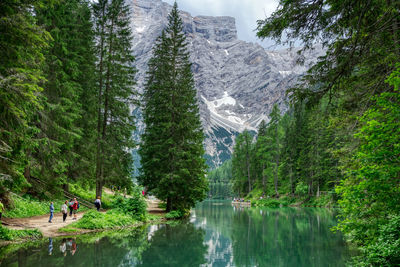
<point>21,61</point>
<point>172,152</point>
<point>69,72</point>
<point>115,81</point>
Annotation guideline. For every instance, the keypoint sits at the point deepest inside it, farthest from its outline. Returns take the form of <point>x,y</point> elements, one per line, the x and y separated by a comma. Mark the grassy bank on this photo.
<point>22,207</point>
<point>15,235</point>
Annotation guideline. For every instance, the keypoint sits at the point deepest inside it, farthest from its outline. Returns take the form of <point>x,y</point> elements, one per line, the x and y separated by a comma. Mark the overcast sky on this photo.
<point>246,13</point>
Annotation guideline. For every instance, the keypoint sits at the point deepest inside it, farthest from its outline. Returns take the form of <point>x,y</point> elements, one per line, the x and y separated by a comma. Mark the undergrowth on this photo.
<point>10,234</point>
<point>28,207</point>
<point>99,220</point>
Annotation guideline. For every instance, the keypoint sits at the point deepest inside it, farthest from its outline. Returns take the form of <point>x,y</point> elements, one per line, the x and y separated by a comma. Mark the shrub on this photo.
<point>99,220</point>
<point>175,214</point>
<point>301,189</point>
<point>134,206</point>
<point>384,251</point>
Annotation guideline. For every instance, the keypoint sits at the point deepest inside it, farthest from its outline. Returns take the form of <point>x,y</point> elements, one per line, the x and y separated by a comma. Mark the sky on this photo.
<point>246,13</point>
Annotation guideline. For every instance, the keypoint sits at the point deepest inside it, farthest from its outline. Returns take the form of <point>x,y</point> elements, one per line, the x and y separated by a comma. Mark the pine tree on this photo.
<point>115,81</point>
<point>172,152</point>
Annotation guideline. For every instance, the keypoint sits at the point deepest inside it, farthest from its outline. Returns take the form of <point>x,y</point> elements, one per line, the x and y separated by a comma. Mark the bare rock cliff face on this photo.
<point>237,82</point>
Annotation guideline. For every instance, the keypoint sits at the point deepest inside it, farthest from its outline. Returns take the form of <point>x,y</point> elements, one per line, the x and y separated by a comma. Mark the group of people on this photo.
<point>72,205</point>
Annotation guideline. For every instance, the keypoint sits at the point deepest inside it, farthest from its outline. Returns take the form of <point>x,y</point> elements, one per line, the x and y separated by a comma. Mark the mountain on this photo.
<point>237,82</point>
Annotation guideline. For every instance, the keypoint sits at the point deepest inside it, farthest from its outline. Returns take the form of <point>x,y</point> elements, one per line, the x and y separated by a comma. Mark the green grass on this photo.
<point>26,207</point>
<point>89,194</point>
<point>92,220</point>
<point>11,235</point>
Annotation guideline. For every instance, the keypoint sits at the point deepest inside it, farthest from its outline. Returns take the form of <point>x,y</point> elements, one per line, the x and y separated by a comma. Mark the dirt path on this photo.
<point>51,229</point>
<point>41,223</point>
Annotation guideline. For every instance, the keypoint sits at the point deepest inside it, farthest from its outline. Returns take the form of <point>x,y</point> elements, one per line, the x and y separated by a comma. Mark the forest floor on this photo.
<point>52,229</point>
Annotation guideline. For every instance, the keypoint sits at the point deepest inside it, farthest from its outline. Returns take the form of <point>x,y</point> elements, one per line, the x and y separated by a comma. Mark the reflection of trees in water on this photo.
<point>179,245</point>
<point>102,249</point>
<point>286,237</point>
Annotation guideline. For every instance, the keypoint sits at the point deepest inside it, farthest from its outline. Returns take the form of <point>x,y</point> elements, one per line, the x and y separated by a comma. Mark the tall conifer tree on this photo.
<point>69,72</point>
<point>172,152</point>
<point>115,81</point>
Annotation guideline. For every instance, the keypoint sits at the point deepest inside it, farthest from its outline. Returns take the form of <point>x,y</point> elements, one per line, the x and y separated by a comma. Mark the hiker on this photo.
<point>70,204</point>
<point>97,203</point>
<point>51,211</point>
<point>75,208</point>
<point>64,210</point>
<point>1,208</point>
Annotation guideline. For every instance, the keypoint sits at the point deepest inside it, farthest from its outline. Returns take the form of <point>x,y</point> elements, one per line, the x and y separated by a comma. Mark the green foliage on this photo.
<point>175,214</point>
<point>301,189</point>
<point>11,235</point>
<point>173,167</point>
<point>28,207</point>
<point>370,199</point>
<point>89,194</point>
<point>135,206</point>
<point>98,220</point>
<point>21,60</point>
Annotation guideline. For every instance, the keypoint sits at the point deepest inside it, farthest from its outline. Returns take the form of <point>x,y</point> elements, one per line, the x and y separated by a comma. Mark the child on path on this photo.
<point>70,204</point>
<point>51,212</point>
<point>1,208</point>
<point>64,210</point>
<point>75,207</point>
<point>97,203</point>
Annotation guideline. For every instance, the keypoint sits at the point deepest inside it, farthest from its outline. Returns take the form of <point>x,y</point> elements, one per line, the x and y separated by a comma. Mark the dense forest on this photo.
<point>67,94</point>
<point>339,140</point>
<point>67,81</point>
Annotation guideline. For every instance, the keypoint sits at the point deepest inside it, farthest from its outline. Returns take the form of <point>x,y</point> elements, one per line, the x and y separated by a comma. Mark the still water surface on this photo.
<point>217,234</point>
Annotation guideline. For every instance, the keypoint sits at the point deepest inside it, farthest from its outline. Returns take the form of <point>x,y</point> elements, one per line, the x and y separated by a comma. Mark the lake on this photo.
<point>216,234</point>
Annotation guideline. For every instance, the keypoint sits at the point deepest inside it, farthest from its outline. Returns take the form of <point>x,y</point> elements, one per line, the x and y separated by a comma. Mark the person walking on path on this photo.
<point>97,203</point>
<point>70,204</point>
<point>51,211</point>
<point>75,208</point>
<point>64,210</point>
<point>1,208</point>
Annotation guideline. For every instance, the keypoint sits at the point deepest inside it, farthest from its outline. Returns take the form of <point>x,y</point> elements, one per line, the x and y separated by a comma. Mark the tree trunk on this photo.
<point>99,123</point>
<point>291,180</point>
<point>277,162</point>
<point>263,178</point>
<point>169,204</point>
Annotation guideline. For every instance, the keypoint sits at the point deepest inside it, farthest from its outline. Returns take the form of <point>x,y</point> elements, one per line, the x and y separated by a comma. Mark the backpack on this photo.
<point>78,205</point>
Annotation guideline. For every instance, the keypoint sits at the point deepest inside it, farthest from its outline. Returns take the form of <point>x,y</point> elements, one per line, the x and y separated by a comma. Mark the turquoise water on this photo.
<point>217,234</point>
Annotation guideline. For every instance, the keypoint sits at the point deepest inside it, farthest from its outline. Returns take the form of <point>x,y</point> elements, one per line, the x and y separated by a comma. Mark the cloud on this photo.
<point>246,13</point>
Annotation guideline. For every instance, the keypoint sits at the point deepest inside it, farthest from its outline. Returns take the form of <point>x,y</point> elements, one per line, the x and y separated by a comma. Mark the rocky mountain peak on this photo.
<point>237,82</point>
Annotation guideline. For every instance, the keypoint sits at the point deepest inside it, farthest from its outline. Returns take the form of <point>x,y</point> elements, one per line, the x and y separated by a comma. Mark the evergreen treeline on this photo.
<point>66,87</point>
<point>341,133</point>
<point>219,181</point>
